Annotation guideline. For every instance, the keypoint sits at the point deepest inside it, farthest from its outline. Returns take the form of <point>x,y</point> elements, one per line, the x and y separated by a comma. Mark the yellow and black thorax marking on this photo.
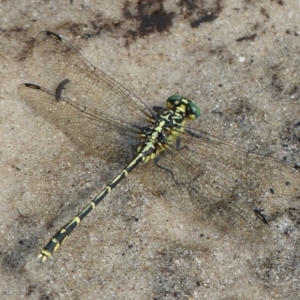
<point>167,126</point>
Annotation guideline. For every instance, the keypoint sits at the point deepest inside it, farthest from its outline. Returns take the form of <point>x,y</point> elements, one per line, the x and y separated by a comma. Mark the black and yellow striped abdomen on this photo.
<point>163,131</point>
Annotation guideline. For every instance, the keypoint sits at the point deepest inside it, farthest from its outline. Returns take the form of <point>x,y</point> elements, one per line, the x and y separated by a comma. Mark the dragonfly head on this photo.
<point>192,109</point>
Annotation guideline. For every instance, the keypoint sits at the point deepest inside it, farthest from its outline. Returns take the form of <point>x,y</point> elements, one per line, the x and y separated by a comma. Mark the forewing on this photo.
<point>222,184</point>
<point>96,112</point>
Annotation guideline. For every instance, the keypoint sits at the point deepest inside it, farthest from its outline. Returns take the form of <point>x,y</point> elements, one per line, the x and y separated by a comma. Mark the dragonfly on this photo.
<point>204,176</point>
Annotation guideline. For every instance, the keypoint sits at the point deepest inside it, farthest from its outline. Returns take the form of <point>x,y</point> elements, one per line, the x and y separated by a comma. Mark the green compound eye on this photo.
<point>173,100</point>
<point>193,110</point>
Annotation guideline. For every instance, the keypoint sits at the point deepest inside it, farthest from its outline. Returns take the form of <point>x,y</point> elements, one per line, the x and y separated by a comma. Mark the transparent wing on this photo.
<point>96,133</point>
<point>86,104</point>
<point>222,183</point>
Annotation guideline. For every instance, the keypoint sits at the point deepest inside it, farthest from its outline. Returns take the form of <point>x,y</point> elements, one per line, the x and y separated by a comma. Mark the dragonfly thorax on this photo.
<point>167,126</point>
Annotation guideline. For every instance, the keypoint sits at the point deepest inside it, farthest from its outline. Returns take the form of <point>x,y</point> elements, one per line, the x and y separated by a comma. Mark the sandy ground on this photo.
<point>239,60</point>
